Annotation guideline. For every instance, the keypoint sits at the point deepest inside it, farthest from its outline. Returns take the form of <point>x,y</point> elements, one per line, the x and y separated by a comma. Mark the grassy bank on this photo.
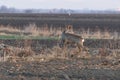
<point>27,37</point>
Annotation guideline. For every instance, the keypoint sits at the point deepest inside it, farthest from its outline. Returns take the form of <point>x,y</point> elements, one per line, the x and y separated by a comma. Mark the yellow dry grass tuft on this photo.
<point>44,30</point>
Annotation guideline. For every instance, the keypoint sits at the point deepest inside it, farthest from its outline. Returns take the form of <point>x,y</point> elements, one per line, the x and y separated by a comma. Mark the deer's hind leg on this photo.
<point>80,48</point>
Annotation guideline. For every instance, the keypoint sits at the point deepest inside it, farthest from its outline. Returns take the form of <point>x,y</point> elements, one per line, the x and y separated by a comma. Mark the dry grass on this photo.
<point>56,51</point>
<point>9,28</point>
<point>32,29</point>
<point>26,54</point>
<point>46,31</point>
<point>97,58</point>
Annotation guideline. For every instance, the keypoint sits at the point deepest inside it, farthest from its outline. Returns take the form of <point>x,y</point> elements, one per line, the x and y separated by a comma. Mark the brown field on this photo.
<point>43,59</point>
<point>103,21</point>
<point>59,69</point>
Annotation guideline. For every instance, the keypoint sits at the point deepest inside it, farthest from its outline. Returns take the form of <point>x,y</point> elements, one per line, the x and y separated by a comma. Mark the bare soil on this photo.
<point>60,69</point>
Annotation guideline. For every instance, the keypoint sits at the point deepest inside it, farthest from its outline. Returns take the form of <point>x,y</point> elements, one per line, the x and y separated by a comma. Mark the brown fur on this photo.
<point>67,38</point>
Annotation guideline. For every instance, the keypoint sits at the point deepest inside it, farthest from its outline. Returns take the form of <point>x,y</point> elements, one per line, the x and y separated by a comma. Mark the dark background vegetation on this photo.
<point>109,22</point>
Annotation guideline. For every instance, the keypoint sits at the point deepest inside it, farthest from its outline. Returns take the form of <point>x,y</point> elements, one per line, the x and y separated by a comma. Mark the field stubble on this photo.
<point>57,63</point>
<point>45,60</point>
